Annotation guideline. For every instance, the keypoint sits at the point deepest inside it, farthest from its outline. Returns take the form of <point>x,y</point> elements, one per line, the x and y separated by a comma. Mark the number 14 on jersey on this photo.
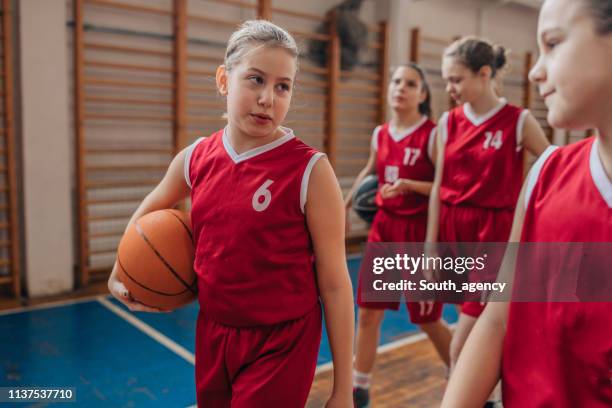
<point>493,140</point>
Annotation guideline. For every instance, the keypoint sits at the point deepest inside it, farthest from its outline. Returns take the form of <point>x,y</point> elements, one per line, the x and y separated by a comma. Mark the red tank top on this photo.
<point>483,158</point>
<point>254,257</point>
<point>407,156</point>
<point>559,354</point>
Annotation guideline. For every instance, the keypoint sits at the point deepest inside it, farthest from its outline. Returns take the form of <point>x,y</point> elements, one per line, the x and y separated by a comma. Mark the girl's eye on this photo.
<point>551,44</point>
<point>256,79</point>
<point>412,84</point>
<point>396,81</point>
<point>284,87</point>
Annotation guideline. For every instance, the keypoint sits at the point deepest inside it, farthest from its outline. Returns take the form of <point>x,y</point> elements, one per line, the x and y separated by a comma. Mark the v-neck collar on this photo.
<point>598,173</point>
<point>237,158</point>
<point>478,120</point>
<point>398,137</point>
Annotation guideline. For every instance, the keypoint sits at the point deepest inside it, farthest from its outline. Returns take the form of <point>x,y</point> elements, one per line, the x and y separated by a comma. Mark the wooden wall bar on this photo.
<point>129,116</point>
<point>9,224</point>
<point>333,67</point>
<point>180,74</point>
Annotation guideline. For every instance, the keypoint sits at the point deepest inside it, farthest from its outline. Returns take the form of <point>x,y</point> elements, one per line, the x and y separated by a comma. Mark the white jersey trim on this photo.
<point>306,178</point>
<point>187,163</point>
<point>374,143</point>
<point>520,125</point>
<point>600,178</point>
<point>237,158</point>
<point>478,120</point>
<point>398,137</point>
<point>430,144</point>
<point>534,173</point>
<point>443,125</point>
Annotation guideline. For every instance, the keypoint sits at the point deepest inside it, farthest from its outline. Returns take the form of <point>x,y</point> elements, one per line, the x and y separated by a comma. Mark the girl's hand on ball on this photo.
<point>393,190</point>
<point>120,292</point>
<point>386,193</point>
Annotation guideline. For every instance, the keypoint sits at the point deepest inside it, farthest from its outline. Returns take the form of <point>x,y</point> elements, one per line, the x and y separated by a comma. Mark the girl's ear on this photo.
<point>485,72</point>
<point>221,78</point>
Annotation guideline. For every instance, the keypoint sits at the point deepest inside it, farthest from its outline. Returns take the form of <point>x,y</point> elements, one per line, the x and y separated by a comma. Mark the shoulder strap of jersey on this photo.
<point>306,177</point>
<point>374,142</point>
<point>535,171</point>
<point>188,154</point>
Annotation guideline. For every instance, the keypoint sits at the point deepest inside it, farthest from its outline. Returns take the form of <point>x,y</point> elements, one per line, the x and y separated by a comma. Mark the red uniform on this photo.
<point>403,218</point>
<point>259,325</point>
<point>482,176</point>
<point>561,356</point>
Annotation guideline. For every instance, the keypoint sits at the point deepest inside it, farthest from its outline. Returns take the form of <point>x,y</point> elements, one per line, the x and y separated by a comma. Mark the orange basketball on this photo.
<point>155,259</point>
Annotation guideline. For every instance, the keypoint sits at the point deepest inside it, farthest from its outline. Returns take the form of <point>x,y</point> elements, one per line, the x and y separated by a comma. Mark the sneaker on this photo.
<point>492,404</point>
<point>361,397</point>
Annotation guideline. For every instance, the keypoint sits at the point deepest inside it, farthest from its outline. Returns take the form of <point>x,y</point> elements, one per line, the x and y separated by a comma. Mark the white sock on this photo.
<point>361,380</point>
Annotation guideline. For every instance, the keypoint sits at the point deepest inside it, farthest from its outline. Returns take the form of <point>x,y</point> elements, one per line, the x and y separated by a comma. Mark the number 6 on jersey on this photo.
<point>260,204</point>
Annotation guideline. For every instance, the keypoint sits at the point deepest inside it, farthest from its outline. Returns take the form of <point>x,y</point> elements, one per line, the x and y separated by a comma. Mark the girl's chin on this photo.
<point>559,119</point>
<point>400,107</point>
<point>261,130</point>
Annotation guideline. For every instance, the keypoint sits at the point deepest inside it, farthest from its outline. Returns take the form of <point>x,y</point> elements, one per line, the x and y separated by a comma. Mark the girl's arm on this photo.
<point>171,189</point>
<point>324,216</point>
<point>534,139</point>
<point>433,217</point>
<point>479,365</point>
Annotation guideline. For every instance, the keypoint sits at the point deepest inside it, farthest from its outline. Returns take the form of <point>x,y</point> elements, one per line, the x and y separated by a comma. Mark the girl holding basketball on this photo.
<point>269,239</point>
<point>556,354</point>
<point>401,153</point>
<point>479,167</point>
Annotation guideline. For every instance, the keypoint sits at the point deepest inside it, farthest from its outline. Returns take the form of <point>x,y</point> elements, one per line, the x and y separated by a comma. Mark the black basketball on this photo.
<point>364,203</point>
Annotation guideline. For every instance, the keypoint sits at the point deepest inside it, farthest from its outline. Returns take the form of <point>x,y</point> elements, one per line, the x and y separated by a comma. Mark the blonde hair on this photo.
<point>258,33</point>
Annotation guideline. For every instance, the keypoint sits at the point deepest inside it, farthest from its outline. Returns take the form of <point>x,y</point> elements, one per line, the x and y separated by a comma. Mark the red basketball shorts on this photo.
<point>389,228</point>
<point>474,224</point>
<point>262,366</point>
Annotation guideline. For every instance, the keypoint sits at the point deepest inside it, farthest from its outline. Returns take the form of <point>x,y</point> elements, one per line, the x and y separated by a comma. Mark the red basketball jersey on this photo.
<point>404,155</point>
<point>483,158</point>
<point>254,257</point>
<point>559,354</point>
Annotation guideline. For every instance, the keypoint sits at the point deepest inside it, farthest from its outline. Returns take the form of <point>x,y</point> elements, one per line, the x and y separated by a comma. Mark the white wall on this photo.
<point>46,147</point>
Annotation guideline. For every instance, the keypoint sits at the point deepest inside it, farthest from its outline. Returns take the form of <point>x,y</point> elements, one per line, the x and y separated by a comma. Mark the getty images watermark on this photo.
<point>412,265</point>
<point>459,272</point>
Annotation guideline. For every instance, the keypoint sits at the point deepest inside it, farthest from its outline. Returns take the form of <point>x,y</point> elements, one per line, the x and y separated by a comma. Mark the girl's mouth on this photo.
<point>261,118</point>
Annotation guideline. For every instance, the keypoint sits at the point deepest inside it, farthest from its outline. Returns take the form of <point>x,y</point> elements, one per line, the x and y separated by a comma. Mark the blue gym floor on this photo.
<point>115,358</point>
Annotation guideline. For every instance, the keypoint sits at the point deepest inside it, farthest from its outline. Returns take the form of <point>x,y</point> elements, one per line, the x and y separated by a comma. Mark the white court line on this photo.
<point>50,305</point>
<point>386,347</point>
<point>153,333</point>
